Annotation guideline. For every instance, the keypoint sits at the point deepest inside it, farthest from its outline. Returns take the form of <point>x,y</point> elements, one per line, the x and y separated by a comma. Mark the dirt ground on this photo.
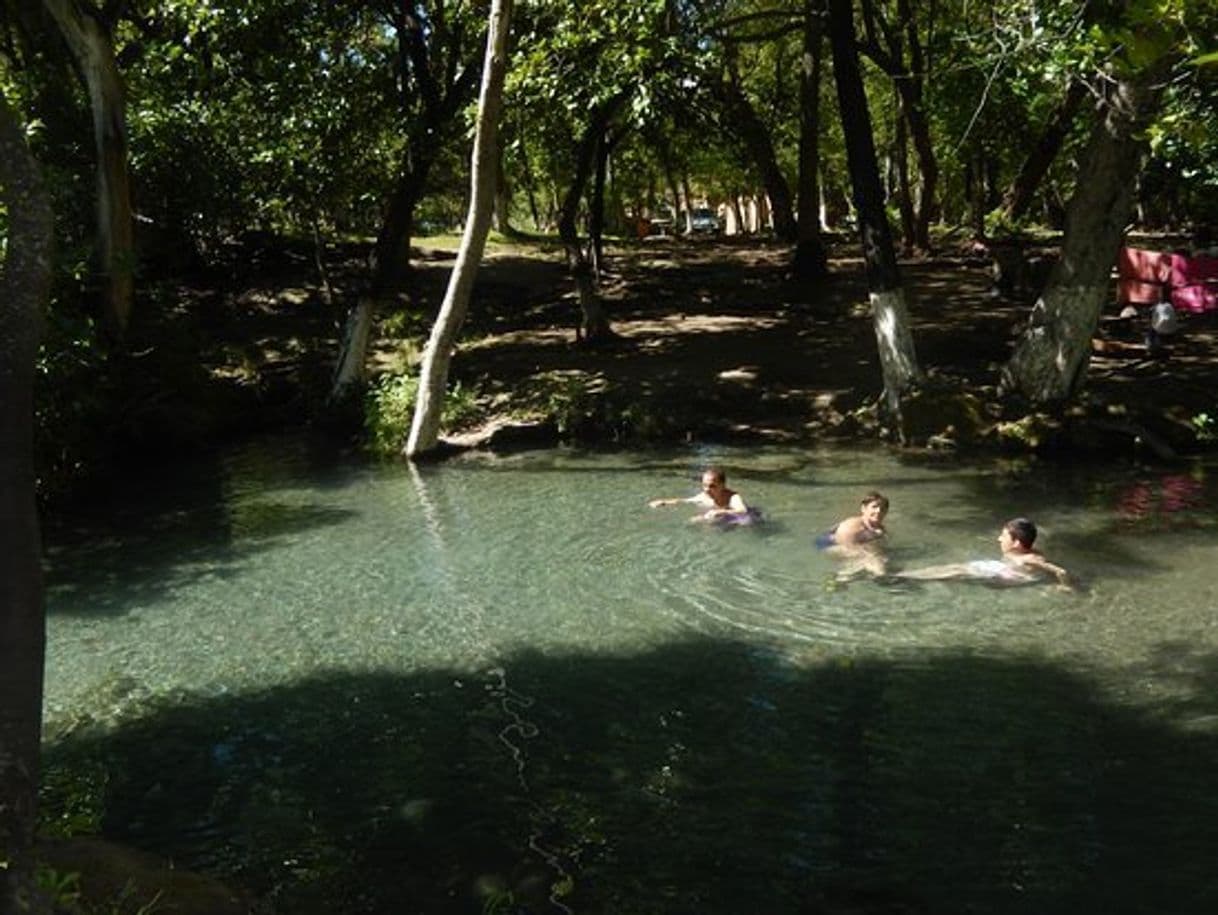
<point>718,340</point>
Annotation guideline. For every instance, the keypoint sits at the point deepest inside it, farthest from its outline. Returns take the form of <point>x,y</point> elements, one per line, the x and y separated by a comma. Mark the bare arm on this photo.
<point>1064,579</point>
<point>699,499</point>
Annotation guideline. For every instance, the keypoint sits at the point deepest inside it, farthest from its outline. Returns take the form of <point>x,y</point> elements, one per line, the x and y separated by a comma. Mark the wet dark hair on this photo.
<point>715,473</point>
<point>1022,530</point>
<point>877,498</point>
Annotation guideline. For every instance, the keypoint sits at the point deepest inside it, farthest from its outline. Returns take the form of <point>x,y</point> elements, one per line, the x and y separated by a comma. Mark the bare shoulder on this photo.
<point>848,531</point>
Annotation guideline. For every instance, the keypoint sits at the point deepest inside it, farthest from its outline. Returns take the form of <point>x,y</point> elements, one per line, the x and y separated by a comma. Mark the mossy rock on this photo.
<point>940,412</point>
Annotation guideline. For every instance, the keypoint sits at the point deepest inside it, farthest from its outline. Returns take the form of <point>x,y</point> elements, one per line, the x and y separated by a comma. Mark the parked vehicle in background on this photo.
<point>662,222</point>
<point>704,221</point>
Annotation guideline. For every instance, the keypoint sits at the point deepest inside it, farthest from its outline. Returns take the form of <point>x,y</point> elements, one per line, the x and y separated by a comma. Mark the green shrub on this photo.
<point>389,410</point>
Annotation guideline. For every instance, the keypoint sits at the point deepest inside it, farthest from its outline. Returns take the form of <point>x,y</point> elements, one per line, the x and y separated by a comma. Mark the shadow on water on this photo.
<point>183,526</point>
<point>703,777</point>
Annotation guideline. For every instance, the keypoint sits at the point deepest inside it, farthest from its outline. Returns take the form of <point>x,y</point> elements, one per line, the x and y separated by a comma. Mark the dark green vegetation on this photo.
<point>211,133</point>
<point>183,141</point>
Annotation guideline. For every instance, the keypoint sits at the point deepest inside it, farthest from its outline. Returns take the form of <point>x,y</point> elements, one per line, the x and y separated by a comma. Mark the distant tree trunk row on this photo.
<point>747,126</point>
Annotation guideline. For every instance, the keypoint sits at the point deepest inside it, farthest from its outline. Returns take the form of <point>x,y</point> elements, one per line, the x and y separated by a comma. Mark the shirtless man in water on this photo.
<point>719,501</point>
<point>1021,563</point>
<point>857,538</point>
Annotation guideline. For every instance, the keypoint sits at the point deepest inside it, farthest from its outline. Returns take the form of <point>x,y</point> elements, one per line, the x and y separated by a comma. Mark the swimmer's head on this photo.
<point>1022,531</point>
<point>876,499</point>
<point>713,478</point>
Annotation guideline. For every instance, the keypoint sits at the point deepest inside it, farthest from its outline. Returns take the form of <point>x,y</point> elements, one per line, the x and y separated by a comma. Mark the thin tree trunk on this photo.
<point>596,206</point>
<point>928,166</point>
<point>319,260</point>
<point>93,51</point>
<point>811,261</point>
<point>1049,365</point>
<point>687,203</point>
<point>898,358</point>
<point>433,379</point>
<point>595,322</point>
<point>390,263</point>
<point>25,281</point>
<point>909,78</point>
<point>904,193</point>
<point>530,181</point>
<point>501,217</point>
<point>1023,188</point>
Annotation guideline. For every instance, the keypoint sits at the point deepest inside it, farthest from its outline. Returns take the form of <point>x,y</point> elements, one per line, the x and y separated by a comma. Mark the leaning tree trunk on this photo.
<point>1023,188</point>
<point>1050,360</point>
<point>390,263</point>
<point>756,138</point>
<point>25,280</point>
<point>811,262</point>
<point>898,358</point>
<point>425,428</point>
<point>93,52</point>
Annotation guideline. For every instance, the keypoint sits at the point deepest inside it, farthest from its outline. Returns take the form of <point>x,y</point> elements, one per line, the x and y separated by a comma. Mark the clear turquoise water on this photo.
<point>506,682</point>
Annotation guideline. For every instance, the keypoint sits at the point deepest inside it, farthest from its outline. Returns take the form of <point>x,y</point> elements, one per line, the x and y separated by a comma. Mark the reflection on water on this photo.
<point>506,684</point>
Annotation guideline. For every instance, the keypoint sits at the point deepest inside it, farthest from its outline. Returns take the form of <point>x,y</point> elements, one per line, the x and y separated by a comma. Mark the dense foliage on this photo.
<point>262,119</point>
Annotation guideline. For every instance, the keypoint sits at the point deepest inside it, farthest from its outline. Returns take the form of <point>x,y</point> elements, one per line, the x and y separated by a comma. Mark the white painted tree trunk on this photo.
<point>425,428</point>
<point>895,344</point>
<point>353,355</point>
<point>1050,361</point>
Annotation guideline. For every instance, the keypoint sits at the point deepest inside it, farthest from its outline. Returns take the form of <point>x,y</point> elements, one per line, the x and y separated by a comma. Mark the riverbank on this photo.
<point>716,340</point>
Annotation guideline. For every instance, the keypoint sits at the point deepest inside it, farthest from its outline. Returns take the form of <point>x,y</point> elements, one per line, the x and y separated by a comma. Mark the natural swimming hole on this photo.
<point>505,684</point>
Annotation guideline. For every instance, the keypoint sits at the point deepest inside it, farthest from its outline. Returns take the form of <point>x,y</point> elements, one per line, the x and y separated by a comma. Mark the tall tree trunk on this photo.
<point>904,192</point>
<point>811,262</point>
<point>501,216</point>
<point>687,203</point>
<point>1036,164</point>
<point>93,51</point>
<point>928,165</point>
<point>25,281</point>
<point>898,358</point>
<point>756,138</point>
<point>1049,364</point>
<point>433,379</point>
<point>596,206</point>
<point>530,181</point>
<point>909,77</point>
<point>595,322</point>
<point>389,264</point>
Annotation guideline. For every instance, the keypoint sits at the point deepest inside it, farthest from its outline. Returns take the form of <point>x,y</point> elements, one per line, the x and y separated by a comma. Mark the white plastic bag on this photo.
<point>1163,319</point>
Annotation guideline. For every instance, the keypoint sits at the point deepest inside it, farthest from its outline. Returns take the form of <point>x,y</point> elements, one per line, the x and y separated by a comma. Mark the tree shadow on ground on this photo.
<point>702,777</point>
